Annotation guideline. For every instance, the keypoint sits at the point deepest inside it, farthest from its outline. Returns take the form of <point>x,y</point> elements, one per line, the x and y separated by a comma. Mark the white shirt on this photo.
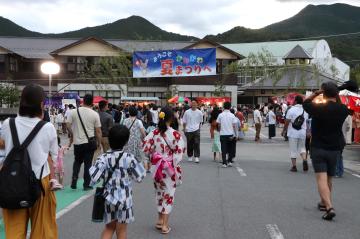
<point>67,113</point>
<point>91,121</point>
<point>257,117</point>
<point>284,108</point>
<point>192,119</point>
<point>291,115</point>
<point>266,110</point>
<point>227,122</point>
<point>45,142</point>
<point>155,116</point>
<point>272,118</point>
<point>59,118</point>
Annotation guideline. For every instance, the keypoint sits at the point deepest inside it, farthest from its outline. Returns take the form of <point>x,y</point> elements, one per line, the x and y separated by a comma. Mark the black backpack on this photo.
<point>19,187</point>
<point>298,122</point>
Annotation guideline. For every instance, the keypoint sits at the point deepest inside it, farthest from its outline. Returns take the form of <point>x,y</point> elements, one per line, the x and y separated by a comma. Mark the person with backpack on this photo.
<point>295,126</point>
<point>28,143</point>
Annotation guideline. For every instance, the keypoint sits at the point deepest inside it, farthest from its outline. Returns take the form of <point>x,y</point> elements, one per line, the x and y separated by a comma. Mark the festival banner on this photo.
<point>174,63</point>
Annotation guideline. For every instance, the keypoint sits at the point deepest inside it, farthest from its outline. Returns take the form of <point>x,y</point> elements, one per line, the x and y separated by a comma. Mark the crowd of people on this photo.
<point>124,143</point>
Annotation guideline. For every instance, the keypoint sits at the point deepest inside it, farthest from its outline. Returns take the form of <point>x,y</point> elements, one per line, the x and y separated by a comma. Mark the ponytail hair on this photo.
<point>166,115</point>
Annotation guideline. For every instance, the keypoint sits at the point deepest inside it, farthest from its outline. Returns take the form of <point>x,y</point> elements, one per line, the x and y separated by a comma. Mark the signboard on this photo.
<point>174,63</point>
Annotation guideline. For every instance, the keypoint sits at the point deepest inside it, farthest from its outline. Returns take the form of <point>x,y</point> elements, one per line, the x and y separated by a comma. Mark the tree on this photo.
<point>9,95</point>
<point>109,70</point>
<point>355,74</point>
<point>219,88</point>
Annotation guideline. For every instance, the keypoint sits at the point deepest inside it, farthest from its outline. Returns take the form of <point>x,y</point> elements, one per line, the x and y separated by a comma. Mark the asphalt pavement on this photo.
<point>257,198</point>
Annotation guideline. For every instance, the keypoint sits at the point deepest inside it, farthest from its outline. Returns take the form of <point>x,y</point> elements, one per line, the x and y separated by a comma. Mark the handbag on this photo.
<point>91,141</point>
<point>99,199</point>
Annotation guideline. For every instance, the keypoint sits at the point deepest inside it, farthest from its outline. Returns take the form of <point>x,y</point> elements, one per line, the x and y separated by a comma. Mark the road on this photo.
<point>257,198</point>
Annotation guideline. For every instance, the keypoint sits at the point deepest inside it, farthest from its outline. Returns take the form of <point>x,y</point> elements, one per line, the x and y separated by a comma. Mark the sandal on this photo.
<point>166,231</point>
<point>329,215</point>
<point>321,207</point>
<point>158,226</point>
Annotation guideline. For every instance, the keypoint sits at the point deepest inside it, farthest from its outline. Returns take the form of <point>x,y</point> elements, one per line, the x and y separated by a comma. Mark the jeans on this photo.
<point>227,148</point>
<point>339,166</point>
<point>83,154</point>
<point>193,143</point>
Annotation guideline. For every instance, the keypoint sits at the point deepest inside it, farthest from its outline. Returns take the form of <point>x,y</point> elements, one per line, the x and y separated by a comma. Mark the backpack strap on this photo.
<point>33,133</point>
<point>14,134</point>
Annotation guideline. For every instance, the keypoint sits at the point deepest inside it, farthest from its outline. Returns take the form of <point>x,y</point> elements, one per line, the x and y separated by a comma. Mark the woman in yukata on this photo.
<point>165,147</point>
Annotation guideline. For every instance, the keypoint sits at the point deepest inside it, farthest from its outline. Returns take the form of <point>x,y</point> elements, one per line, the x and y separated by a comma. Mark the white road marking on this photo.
<point>274,231</point>
<point>74,204</point>
<point>261,135</point>
<point>356,175</point>
<point>67,209</point>
<point>353,174</point>
<point>241,171</point>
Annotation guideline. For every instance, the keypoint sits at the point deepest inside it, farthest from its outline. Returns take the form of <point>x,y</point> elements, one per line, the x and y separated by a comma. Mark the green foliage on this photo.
<point>219,88</point>
<point>355,74</point>
<point>110,70</point>
<point>9,95</point>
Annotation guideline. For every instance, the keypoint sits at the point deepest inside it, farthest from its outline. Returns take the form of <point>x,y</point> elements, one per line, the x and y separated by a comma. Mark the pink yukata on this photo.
<point>165,165</point>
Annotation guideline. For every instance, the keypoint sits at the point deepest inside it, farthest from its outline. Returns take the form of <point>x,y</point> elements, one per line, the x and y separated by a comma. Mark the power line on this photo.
<point>324,36</point>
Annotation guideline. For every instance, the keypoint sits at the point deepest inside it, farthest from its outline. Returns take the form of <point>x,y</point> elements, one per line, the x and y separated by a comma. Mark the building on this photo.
<point>307,64</point>
<point>20,60</point>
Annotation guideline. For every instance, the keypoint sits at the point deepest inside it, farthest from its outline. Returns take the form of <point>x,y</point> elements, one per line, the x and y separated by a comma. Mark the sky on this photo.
<point>188,17</point>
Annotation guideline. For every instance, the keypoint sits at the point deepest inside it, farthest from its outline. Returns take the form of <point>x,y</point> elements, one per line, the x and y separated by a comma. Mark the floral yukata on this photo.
<point>118,191</point>
<point>165,165</point>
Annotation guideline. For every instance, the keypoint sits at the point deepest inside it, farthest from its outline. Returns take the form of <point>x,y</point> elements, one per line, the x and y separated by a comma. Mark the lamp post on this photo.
<point>50,68</point>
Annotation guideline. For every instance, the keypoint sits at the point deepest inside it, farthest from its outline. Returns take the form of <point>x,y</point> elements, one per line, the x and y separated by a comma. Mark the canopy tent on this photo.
<point>96,100</point>
<point>178,99</point>
<point>127,98</point>
<point>350,99</point>
<point>212,100</point>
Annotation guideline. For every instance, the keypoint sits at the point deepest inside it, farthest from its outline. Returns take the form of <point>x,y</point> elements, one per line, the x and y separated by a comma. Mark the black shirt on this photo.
<point>326,124</point>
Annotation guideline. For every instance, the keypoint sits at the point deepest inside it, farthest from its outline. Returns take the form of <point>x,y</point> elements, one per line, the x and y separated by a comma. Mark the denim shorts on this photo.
<point>324,161</point>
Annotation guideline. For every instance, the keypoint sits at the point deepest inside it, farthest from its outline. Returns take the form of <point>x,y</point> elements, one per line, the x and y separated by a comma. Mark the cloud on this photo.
<point>197,18</point>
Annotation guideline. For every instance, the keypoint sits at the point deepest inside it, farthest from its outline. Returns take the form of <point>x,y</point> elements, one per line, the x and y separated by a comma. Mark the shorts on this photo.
<point>307,144</point>
<point>297,146</point>
<point>118,213</point>
<point>324,161</point>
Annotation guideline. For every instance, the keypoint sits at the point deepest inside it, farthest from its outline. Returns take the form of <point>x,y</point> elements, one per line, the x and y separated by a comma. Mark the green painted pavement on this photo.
<point>63,198</point>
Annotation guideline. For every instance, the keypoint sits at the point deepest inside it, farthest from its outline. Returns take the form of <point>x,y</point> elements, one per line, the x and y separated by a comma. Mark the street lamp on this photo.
<point>50,68</point>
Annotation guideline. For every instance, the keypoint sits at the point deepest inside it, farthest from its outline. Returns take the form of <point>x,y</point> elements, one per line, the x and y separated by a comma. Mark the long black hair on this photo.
<point>168,118</point>
<point>214,114</point>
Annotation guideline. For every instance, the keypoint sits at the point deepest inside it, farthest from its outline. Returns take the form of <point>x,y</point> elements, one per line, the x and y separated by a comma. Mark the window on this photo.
<point>293,61</point>
<point>2,63</point>
<point>13,64</point>
<point>263,92</point>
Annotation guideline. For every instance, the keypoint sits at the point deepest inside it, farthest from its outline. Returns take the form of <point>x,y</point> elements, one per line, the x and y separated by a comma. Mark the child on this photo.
<point>57,182</point>
<point>118,191</point>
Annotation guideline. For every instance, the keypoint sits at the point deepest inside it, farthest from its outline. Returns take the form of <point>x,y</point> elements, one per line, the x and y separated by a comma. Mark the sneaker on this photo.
<point>190,159</point>
<point>196,160</point>
<point>73,184</point>
<point>55,185</point>
<point>293,169</point>
<point>305,166</point>
<point>88,188</point>
<point>224,166</point>
<point>230,164</point>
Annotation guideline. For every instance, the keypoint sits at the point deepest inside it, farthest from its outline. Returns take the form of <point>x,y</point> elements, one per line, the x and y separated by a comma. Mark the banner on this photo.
<point>174,63</point>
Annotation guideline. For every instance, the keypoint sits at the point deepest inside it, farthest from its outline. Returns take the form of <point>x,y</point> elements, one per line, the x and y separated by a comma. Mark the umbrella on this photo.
<point>178,99</point>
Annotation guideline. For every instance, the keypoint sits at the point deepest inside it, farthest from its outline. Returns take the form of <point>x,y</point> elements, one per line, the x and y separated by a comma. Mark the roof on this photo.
<point>217,45</point>
<point>292,79</point>
<point>277,48</point>
<point>42,48</point>
<point>297,53</point>
<point>82,41</point>
<point>34,48</point>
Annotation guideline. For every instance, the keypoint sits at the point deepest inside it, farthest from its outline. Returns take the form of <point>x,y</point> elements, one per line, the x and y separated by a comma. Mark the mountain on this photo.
<point>131,28</point>
<point>311,21</point>
<point>9,28</point>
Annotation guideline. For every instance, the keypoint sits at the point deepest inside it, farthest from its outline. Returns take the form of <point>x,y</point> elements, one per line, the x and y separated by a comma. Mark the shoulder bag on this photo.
<point>91,141</point>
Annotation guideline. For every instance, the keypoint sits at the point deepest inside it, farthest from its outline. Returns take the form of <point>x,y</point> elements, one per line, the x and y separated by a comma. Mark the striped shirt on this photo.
<point>118,191</point>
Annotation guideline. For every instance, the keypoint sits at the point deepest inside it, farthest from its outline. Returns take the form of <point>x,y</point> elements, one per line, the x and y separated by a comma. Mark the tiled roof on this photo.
<point>297,53</point>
